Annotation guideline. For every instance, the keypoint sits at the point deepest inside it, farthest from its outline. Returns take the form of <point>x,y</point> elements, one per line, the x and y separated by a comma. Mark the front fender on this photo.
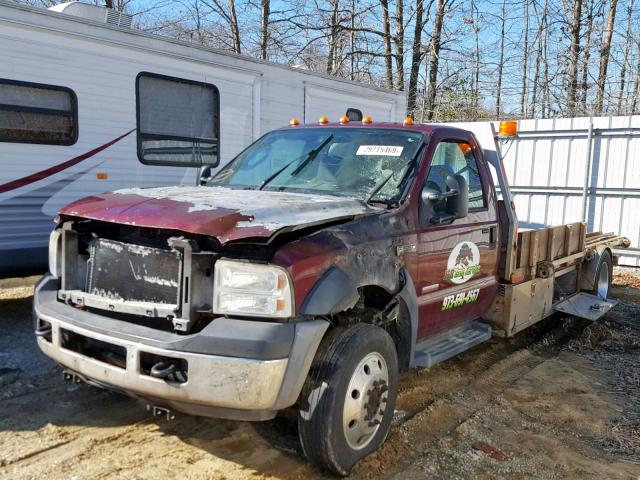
<point>333,293</point>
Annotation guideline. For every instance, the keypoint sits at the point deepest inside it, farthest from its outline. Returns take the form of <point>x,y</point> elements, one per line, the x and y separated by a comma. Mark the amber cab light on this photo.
<point>294,122</point>
<point>408,121</point>
<point>344,120</point>
<point>508,129</point>
<point>323,120</point>
<point>367,119</point>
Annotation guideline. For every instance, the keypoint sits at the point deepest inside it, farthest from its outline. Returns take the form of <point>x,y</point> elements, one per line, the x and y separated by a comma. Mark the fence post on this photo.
<point>587,173</point>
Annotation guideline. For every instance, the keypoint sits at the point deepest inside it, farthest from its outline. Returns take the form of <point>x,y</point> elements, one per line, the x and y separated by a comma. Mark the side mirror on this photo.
<point>458,205</point>
<point>205,175</point>
<point>457,201</point>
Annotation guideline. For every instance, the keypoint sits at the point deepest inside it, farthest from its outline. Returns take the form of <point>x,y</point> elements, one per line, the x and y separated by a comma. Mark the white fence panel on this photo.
<point>576,169</point>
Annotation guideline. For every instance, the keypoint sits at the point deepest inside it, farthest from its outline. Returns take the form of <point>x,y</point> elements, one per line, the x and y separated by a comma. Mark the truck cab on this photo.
<point>308,272</point>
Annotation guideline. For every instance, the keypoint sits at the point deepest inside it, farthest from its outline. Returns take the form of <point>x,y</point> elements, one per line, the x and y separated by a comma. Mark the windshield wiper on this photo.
<point>310,156</point>
<point>384,181</point>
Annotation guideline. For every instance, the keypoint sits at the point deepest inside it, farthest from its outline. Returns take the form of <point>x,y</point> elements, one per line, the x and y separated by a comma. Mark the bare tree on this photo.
<point>436,38</point>
<point>525,62</point>
<point>572,83</point>
<point>587,56</point>
<point>625,61</point>
<point>386,26</point>
<point>416,56</point>
<point>265,9</point>
<point>503,20</point>
<point>233,23</point>
<point>399,42</point>
<point>604,57</point>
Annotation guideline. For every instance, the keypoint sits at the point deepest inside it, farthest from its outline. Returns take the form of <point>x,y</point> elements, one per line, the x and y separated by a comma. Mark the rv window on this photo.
<point>35,113</point>
<point>178,121</point>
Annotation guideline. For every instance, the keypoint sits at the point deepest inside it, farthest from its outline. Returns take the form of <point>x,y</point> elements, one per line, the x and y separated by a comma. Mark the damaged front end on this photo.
<point>144,275</point>
<point>132,309</point>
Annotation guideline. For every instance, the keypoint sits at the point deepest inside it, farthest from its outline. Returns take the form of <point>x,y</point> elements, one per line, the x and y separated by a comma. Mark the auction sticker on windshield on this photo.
<point>386,150</point>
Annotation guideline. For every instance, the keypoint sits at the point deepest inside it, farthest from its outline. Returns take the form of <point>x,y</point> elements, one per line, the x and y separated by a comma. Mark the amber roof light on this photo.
<point>508,129</point>
<point>344,120</point>
<point>408,121</point>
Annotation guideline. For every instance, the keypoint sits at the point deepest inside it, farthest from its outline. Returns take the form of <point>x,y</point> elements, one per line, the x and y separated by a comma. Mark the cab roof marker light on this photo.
<point>294,122</point>
<point>408,121</point>
<point>323,120</point>
<point>344,120</point>
<point>366,120</point>
<point>508,129</point>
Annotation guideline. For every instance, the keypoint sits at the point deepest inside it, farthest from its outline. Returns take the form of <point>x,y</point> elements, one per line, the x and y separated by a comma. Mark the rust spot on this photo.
<point>490,451</point>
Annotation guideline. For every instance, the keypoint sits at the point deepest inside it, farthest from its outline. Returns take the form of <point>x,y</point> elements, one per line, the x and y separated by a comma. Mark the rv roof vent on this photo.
<point>94,12</point>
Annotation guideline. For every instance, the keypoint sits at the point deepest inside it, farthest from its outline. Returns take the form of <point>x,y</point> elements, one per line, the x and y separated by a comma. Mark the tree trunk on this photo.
<point>235,31</point>
<point>501,60</point>
<point>636,89</point>
<point>399,41</point>
<point>587,58</point>
<point>539,60</point>
<point>525,62</point>
<point>625,61</point>
<point>416,59</point>
<point>386,27</point>
<point>476,68</point>
<point>572,83</point>
<point>333,38</point>
<point>604,57</point>
<point>436,37</point>
<point>352,42</point>
<point>264,28</point>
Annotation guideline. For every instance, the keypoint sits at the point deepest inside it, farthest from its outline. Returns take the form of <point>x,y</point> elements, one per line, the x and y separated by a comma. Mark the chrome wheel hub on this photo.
<point>365,401</point>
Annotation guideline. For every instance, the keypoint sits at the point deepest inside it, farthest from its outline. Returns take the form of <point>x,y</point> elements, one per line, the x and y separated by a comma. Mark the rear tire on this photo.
<point>602,283</point>
<point>349,397</point>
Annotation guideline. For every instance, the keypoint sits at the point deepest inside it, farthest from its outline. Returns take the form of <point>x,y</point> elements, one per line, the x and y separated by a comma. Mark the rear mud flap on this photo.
<point>585,305</point>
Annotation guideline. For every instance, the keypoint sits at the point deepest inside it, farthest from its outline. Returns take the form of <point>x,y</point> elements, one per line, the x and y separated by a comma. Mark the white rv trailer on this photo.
<point>85,100</point>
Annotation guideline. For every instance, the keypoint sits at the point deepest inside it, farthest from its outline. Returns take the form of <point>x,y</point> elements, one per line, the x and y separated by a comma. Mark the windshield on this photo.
<point>366,163</point>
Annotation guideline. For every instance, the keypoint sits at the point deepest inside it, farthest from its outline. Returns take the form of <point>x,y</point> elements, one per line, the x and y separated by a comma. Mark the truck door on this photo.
<point>457,261</point>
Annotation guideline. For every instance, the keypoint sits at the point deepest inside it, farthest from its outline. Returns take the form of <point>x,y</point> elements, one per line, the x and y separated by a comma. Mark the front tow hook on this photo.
<point>162,370</point>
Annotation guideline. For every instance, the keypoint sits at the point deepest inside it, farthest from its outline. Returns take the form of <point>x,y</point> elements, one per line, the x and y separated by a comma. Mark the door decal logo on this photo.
<point>464,263</point>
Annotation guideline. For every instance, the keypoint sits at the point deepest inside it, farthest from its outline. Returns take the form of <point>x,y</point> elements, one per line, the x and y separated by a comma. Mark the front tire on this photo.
<point>349,397</point>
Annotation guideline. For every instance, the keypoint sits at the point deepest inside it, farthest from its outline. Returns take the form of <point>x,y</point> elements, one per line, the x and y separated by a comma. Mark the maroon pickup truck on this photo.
<point>308,272</point>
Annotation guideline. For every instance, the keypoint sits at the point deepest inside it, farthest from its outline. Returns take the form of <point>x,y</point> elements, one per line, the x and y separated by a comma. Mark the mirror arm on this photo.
<point>441,196</point>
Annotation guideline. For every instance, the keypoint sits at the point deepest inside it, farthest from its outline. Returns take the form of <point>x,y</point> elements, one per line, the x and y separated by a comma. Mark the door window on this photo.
<point>455,158</point>
<point>35,113</point>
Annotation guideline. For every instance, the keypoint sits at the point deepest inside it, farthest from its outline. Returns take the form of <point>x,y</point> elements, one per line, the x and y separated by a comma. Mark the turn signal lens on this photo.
<point>344,120</point>
<point>367,119</point>
<point>294,122</point>
<point>508,129</point>
<point>408,121</point>
<point>323,120</point>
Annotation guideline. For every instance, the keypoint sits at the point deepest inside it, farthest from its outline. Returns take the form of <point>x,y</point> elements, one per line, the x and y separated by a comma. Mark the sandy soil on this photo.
<point>558,401</point>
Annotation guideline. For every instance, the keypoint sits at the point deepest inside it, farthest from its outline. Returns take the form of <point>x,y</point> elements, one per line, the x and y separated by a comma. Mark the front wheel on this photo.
<point>349,397</point>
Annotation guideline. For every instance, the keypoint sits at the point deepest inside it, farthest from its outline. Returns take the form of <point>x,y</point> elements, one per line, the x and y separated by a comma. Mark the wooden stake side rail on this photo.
<point>562,245</point>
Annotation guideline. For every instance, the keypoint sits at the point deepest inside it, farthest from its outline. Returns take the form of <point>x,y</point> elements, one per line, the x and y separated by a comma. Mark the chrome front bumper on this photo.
<point>217,385</point>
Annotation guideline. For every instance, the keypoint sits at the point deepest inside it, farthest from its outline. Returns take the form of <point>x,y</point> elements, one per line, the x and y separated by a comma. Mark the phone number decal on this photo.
<point>464,298</point>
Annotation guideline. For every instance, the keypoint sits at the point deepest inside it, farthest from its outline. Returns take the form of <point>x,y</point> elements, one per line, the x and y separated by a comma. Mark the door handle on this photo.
<point>493,234</point>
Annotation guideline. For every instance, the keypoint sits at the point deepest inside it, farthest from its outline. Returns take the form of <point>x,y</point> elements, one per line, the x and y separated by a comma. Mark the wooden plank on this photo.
<point>534,249</point>
<point>582,237</point>
<point>523,248</point>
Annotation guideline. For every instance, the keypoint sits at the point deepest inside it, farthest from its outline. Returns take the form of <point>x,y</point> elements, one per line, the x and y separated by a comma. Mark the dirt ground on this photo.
<point>561,400</point>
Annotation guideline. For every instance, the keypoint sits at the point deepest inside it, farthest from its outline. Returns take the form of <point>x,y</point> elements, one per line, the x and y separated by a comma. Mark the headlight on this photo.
<point>252,289</point>
<point>55,253</point>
